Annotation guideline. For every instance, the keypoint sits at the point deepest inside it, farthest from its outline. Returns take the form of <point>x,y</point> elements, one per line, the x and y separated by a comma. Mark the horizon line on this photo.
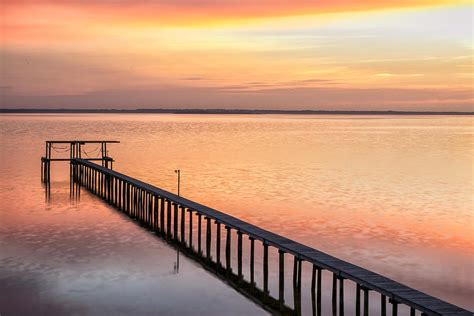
<point>231,111</point>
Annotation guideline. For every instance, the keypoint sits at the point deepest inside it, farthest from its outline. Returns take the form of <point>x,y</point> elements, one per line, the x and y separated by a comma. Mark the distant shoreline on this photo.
<point>225,111</point>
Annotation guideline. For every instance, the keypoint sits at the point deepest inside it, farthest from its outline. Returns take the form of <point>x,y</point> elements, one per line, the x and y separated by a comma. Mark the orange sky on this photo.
<point>237,54</point>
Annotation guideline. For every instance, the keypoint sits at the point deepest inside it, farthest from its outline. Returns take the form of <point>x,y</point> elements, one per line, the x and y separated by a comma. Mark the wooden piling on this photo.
<point>239,256</point>
<point>252,262</point>
<point>357,311</point>
<point>183,221</point>
<point>265,271</point>
<point>162,216</point>
<point>366,301</point>
<point>316,291</point>
<point>175,222</point>
<point>383,305</point>
<point>168,218</point>
<point>341,296</point>
<point>190,228</point>
<point>334,294</point>
<point>281,279</point>
<point>155,213</point>
<point>199,215</point>
<point>218,244</point>
<point>394,307</point>
<point>227,251</point>
<point>208,238</point>
<point>298,287</point>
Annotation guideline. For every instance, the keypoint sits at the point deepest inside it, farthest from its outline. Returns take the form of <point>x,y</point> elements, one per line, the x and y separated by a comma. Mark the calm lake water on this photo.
<point>393,194</point>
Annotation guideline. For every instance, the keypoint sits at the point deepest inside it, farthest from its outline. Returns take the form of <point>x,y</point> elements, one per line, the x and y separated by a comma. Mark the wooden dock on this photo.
<point>171,217</point>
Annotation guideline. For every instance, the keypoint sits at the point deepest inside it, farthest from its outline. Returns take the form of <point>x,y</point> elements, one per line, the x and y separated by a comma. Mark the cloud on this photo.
<point>195,78</point>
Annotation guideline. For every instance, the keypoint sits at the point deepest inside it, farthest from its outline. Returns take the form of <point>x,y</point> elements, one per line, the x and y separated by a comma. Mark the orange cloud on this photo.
<point>185,12</point>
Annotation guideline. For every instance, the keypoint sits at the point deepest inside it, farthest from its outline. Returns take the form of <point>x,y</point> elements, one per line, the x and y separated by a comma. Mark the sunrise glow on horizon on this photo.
<point>349,55</point>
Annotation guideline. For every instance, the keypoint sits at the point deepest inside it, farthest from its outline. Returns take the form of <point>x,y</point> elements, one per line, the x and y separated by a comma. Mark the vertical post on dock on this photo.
<point>183,227</point>
<point>199,215</point>
<point>151,211</point>
<point>120,194</point>
<point>135,202</point>
<point>297,285</point>
<point>208,238</point>
<point>319,294</point>
<point>252,262</point>
<point>239,256</point>
<point>383,305</point>
<point>313,291</point>
<point>218,244</point>
<point>168,218</point>
<point>357,313</point>
<point>175,222</point>
<point>116,191</point>
<point>227,252</point>
<point>49,163</point>
<point>162,216</point>
<point>334,294</point>
<point>265,271</point>
<point>394,307</point>
<point>341,296</point>
<point>366,301</point>
<point>281,283</point>
<point>144,207</point>
<point>190,228</point>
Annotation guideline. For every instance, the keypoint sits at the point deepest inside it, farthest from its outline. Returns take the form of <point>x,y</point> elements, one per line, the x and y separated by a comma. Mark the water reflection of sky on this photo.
<point>390,194</point>
<point>82,257</point>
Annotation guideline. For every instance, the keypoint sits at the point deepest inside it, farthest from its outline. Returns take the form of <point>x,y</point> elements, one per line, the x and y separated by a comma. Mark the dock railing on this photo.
<point>171,216</point>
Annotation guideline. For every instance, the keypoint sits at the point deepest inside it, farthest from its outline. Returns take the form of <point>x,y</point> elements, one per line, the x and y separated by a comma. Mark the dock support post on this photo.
<point>199,215</point>
<point>151,211</point>
<point>140,205</point>
<point>116,200</point>
<point>252,263</point>
<point>412,311</point>
<point>394,307</point>
<point>218,244</point>
<point>366,301</point>
<point>334,294</point>
<point>162,216</point>
<point>265,271</point>
<point>297,285</point>
<point>124,197</point>
<point>155,212</point>
<point>190,228</point>
<point>183,227</point>
<point>281,279</point>
<point>383,305</point>
<point>168,218</point>
<point>175,222</point>
<point>357,311</point>
<point>316,292</point>
<point>239,256</point>
<point>127,198</point>
<point>208,238</point>
<point>227,252</point>
<point>341,296</point>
